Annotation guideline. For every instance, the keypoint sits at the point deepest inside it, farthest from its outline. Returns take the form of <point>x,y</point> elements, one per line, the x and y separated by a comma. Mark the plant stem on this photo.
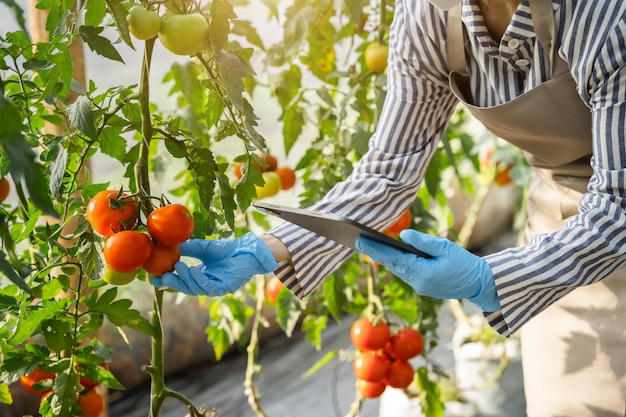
<point>157,367</point>
<point>252,368</point>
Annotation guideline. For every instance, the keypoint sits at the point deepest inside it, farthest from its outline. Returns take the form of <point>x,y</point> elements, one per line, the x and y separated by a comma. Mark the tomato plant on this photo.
<point>170,225</point>
<point>127,251</point>
<point>110,211</point>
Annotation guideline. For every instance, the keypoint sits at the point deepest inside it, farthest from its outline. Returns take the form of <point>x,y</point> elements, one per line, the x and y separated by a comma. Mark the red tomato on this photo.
<point>128,250</point>
<point>400,374</point>
<point>402,223</point>
<point>366,336</point>
<point>108,212</point>
<point>34,377</point>
<point>406,344</point>
<point>369,389</point>
<point>370,366</point>
<point>170,225</point>
<point>162,259</point>
<point>287,177</point>
<point>272,289</point>
<point>91,403</point>
<point>86,382</point>
<point>5,188</point>
<point>271,163</point>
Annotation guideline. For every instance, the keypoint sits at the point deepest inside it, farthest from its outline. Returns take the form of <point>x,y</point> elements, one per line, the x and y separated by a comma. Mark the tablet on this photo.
<point>340,229</point>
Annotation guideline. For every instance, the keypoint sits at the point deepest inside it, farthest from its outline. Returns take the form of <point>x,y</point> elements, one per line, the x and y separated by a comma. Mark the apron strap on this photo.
<point>455,45</point>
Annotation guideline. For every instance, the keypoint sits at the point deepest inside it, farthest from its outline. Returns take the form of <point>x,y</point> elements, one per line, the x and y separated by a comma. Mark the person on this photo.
<point>549,76</point>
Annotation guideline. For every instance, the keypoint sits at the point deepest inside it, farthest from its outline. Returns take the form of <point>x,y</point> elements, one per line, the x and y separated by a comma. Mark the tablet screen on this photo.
<point>337,228</point>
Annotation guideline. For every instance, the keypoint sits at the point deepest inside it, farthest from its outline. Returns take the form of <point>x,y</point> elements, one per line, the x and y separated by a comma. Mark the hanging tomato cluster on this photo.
<point>90,400</point>
<point>127,248</point>
<point>382,358</point>
<point>276,177</point>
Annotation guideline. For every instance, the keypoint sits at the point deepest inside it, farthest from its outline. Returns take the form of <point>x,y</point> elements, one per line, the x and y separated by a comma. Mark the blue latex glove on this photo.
<point>226,266</point>
<point>452,272</point>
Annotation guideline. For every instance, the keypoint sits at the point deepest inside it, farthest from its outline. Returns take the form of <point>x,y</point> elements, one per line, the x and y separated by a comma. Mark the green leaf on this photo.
<point>334,296</point>
<point>293,122</point>
<point>95,12</point>
<point>297,20</point>
<point>119,312</point>
<point>429,394</point>
<point>288,313</point>
<point>213,109</point>
<point>329,356</point>
<point>219,339</point>
<point>221,13</point>
<point>233,69</point>
<point>313,326</point>
<point>113,144</point>
<point>227,197</point>
<point>31,317</point>
<point>5,394</point>
<point>119,13</point>
<point>12,274</point>
<point>99,44</point>
<point>82,117</point>
<point>57,170</point>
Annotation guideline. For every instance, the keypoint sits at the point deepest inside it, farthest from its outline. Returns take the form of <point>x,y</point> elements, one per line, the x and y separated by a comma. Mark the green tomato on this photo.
<point>143,24</point>
<point>184,34</point>
<point>113,277</point>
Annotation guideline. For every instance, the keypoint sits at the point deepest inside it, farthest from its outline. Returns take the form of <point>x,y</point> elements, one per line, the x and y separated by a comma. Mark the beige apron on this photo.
<point>574,353</point>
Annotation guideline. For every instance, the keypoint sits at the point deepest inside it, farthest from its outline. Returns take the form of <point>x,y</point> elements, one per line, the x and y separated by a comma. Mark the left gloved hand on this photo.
<point>452,272</point>
<point>227,264</point>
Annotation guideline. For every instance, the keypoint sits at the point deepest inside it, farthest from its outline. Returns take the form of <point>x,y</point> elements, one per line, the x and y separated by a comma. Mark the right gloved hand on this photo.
<point>226,266</point>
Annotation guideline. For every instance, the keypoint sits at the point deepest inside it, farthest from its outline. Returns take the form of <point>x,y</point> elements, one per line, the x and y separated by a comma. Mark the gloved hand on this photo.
<point>452,272</point>
<point>226,265</point>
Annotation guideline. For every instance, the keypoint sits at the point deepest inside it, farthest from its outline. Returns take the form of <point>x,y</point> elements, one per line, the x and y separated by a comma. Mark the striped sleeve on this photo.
<point>593,244</point>
<point>384,182</point>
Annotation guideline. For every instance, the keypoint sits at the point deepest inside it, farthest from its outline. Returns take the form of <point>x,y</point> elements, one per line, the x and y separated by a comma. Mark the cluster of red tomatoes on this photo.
<point>276,177</point>
<point>127,248</point>
<point>382,359</point>
<point>90,400</point>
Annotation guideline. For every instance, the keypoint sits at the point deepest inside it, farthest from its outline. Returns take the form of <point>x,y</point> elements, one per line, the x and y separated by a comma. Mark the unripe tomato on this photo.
<point>5,187</point>
<point>162,259</point>
<point>366,336</point>
<point>273,287</point>
<point>370,366</point>
<point>376,55</point>
<point>369,389</point>
<point>109,212</point>
<point>170,225</point>
<point>400,374</point>
<point>34,377</point>
<point>114,277</point>
<point>271,187</point>
<point>287,177</point>
<point>127,251</point>
<point>406,344</point>
<point>143,24</point>
<point>91,403</point>
<point>184,34</point>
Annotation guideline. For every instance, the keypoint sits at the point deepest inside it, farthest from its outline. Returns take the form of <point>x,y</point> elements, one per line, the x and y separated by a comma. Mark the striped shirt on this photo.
<point>591,38</point>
